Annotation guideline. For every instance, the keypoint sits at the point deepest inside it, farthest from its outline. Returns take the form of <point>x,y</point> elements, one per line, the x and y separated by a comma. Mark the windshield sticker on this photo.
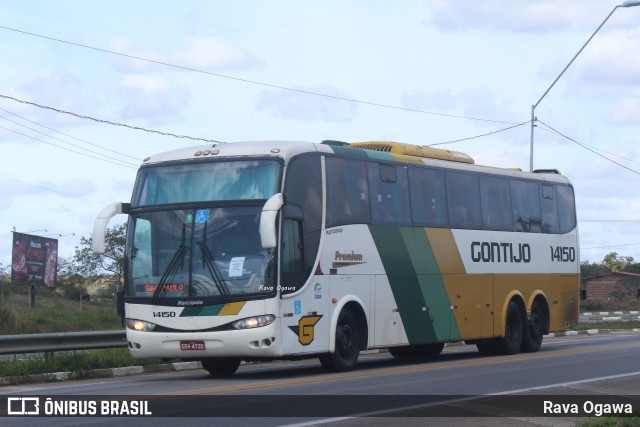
<point>236,266</point>
<point>202,216</point>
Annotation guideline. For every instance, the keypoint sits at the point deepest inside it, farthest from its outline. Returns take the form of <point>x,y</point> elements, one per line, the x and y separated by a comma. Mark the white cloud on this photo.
<point>201,53</point>
<point>477,103</point>
<point>152,98</point>
<point>128,62</point>
<point>59,89</point>
<point>77,187</point>
<point>514,16</point>
<point>626,112</point>
<point>612,60</point>
<point>18,187</point>
<point>287,104</point>
<point>211,54</point>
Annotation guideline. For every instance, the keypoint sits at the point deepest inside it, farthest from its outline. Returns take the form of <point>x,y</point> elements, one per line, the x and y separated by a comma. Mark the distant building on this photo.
<point>617,289</point>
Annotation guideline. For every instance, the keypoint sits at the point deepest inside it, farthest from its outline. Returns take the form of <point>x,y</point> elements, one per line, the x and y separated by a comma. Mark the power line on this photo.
<point>611,246</point>
<point>68,149</point>
<point>479,136</point>
<point>69,136</point>
<point>65,142</point>
<point>255,82</point>
<point>109,122</point>
<point>36,185</point>
<point>587,148</point>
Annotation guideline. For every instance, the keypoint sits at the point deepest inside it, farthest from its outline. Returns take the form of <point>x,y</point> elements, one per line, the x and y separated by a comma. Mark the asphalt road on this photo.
<point>460,387</point>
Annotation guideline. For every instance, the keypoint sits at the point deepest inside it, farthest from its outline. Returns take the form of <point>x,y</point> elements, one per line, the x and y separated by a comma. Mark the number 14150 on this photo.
<point>563,253</point>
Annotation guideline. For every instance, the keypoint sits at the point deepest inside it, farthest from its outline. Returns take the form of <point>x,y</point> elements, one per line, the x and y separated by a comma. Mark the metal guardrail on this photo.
<point>91,340</point>
<point>61,341</point>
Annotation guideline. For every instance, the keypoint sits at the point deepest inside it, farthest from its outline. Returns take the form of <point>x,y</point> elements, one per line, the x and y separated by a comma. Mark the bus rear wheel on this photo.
<point>347,350</point>
<point>220,366</point>
<point>512,340</point>
<point>534,329</point>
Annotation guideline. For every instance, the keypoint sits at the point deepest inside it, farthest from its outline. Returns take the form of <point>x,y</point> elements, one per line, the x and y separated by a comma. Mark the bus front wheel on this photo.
<point>347,349</point>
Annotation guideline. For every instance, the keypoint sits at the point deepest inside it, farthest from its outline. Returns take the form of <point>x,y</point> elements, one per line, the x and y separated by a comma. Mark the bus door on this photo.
<point>305,318</point>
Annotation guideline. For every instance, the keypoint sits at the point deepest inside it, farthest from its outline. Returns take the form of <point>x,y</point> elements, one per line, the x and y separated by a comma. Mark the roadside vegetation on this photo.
<point>55,311</point>
<point>78,364</point>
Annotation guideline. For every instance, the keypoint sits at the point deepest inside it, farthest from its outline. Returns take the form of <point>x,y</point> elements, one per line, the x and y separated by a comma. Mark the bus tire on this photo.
<point>220,366</point>
<point>535,328</point>
<point>421,351</point>
<point>514,330</point>
<point>347,350</point>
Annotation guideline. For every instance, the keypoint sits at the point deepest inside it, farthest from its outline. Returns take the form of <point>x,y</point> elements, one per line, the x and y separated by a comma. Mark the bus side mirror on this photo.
<point>268,217</point>
<point>100,225</point>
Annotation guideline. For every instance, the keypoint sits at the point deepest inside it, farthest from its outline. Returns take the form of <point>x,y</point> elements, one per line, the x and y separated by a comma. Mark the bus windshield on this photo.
<point>206,181</point>
<point>198,253</point>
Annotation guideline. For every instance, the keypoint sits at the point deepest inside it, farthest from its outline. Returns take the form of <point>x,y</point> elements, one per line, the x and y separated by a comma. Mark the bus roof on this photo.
<point>374,150</point>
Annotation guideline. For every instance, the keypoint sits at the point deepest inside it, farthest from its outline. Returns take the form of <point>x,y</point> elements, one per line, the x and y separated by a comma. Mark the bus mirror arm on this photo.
<point>100,224</point>
<point>268,217</point>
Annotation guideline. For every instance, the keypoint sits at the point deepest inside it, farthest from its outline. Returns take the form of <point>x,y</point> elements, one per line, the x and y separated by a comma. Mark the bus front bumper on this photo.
<point>258,343</point>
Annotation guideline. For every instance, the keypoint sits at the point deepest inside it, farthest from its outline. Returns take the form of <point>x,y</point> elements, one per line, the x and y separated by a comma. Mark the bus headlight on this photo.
<point>254,322</point>
<point>140,325</point>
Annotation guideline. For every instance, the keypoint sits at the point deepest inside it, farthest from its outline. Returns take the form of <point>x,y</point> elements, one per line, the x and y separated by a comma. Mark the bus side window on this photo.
<point>464,200</point>
<point>347,192</point>
<point>495,196</point>
<point>525,200</point>
<point>428,197</point>
<point>549,209</point>
<point>566,208</point>
<point>389,194</point>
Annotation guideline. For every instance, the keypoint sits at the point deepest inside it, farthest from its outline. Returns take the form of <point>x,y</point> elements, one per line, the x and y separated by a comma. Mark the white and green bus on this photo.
<point>286,250</point>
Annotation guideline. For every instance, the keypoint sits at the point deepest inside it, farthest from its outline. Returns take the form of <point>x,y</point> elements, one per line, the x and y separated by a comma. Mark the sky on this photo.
<point>456,73</point>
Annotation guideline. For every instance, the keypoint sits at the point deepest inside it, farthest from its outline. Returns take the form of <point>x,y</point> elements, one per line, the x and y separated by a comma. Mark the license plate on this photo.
<point>191,345</point>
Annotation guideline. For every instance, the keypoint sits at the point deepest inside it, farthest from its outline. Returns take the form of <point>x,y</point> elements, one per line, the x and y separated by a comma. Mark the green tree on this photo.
<point>633,268</point>
<point>615,262</point>
<point>86,263</point>
<point>593,269</point>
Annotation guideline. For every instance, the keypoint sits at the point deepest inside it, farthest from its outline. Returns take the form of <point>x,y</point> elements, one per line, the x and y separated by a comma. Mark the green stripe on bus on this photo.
<point>394,252</point>
<point>434,293</point>
<point>208,310</point>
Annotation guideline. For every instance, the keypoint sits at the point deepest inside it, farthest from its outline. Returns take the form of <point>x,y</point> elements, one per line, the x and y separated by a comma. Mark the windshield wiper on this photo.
<point>176,261</point>
<point>209,262</point>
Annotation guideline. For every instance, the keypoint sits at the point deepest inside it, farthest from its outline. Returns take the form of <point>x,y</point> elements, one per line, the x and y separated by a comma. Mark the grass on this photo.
<point>53,313</point>
<point>78,363</point>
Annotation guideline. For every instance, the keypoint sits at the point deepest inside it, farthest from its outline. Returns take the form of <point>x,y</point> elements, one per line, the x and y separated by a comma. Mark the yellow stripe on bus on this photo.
<point>231,308</point>
<point>445,250</point>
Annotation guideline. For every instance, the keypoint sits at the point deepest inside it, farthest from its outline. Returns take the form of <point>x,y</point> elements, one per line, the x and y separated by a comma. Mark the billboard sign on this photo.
<point>34,260</point>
